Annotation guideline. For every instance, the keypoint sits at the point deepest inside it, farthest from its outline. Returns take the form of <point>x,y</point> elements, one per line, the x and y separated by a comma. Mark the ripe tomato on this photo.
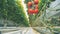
<point>30,11</point>
<point>36,11</point>
<point>36,7</point>
<point>29,4</point>
<point>36,1</point>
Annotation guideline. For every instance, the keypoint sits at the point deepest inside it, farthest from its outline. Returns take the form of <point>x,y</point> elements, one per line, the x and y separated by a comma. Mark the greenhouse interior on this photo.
<point>29,16</point>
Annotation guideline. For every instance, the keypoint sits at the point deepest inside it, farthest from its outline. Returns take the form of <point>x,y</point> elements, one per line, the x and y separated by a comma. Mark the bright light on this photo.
<point>25,9</point>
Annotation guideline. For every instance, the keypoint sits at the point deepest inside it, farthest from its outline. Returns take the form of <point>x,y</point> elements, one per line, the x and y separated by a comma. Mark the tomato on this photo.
<point>30,11</point>
<point>36,11</point>
<point>36,7</point>
<point>36,1</point>
<point>29,4</point>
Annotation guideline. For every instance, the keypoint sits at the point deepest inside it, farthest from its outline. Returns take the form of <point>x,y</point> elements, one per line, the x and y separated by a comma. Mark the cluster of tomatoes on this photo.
<point>30,5</point>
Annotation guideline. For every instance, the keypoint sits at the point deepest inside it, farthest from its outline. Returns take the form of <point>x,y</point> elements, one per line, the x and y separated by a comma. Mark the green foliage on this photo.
<point>41,4</point>
<point>11,10</point>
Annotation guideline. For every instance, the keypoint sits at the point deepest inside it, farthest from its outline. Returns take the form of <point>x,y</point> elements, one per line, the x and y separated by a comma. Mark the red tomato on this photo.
<point>29,4</point>
<point>36,11</point>
<point>30,11</point>
<point>36,7</point>
<point>36,1</point>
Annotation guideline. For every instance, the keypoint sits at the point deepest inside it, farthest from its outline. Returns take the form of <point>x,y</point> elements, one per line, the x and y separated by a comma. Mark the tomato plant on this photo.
<point>30,11</point>
<point>36,11</point>
<point>29,4</point>
<point>36,7</point>
<point>36,1</point>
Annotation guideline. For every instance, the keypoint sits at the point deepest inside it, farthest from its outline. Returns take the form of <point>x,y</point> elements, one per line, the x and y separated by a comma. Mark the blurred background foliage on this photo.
<point>13,10</point>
